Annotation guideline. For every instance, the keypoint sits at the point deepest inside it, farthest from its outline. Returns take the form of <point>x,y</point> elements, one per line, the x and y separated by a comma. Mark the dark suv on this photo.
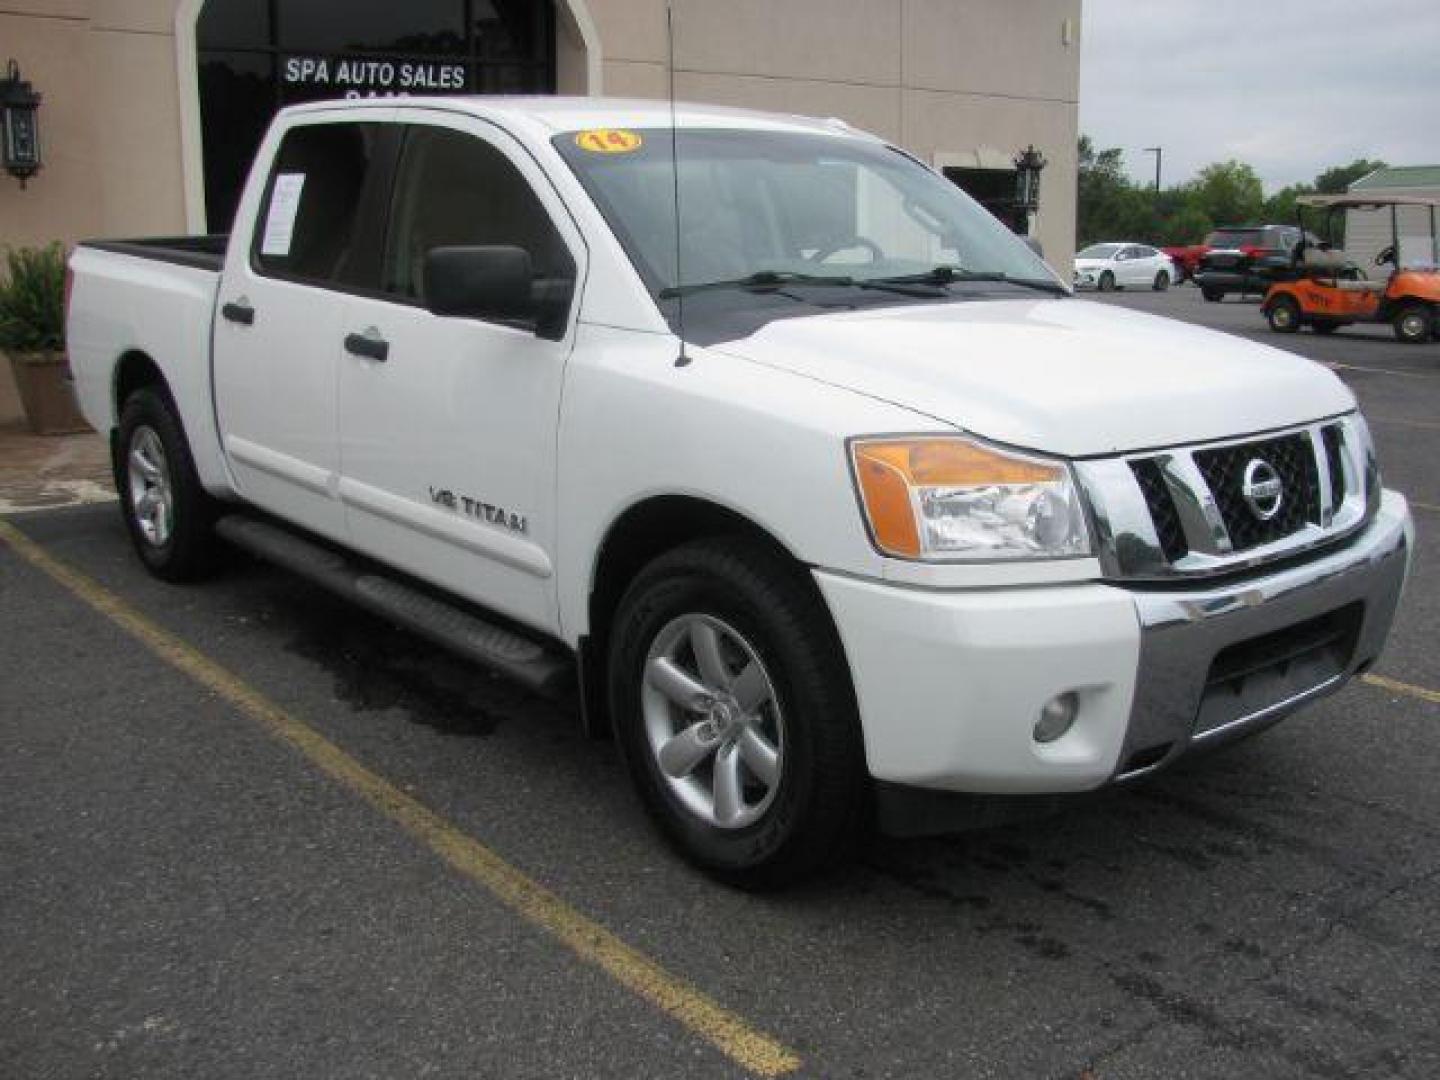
<point>1248,259</point>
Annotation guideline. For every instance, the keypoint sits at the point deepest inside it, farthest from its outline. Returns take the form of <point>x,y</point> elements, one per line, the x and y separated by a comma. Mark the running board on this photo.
<point>545,669</point>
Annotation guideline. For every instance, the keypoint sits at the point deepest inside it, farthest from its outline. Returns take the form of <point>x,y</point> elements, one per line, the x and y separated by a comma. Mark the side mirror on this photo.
<point>494,283</point>
<point>1033,243</point>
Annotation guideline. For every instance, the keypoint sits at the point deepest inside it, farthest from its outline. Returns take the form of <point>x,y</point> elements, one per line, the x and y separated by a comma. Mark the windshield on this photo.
<point>767,205</point>
<point>1099,251</point>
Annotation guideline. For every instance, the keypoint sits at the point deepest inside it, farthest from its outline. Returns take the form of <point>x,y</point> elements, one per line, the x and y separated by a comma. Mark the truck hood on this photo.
<point>1067,377</point>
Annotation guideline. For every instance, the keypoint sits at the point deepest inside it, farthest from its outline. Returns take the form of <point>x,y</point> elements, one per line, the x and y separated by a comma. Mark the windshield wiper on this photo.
<point>761,279</point>
<point>950,275</point>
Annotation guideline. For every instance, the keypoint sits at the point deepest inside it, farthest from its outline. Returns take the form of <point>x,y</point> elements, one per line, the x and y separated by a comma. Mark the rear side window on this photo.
<point>456,189</point>
<point>309,224</point>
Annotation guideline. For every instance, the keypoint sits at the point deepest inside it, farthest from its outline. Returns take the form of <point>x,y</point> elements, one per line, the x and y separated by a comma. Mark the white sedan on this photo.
<point>1116,266</point>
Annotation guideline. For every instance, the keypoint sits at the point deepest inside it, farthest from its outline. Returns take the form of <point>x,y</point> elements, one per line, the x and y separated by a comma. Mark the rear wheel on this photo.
<point>1107,282</point>
<point>1413,323</point>
<point>1284,315</point>
<point>1162,282</point>
<point>735,715</point>
<point>167,512</point>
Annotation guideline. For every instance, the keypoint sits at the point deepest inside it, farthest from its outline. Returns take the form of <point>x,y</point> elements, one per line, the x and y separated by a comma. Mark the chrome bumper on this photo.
<point>1222,662</point>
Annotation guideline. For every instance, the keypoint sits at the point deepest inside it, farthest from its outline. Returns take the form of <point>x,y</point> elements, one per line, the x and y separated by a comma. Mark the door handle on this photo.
<point>239,311</point>
<point>369,345</point>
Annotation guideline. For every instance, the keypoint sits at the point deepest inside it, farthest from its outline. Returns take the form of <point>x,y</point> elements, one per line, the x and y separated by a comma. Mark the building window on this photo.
<point>256,56</point>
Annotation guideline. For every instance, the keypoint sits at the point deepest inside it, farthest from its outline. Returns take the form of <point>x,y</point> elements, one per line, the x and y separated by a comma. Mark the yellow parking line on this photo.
<point>1425,506</point>
<point>587,939</point>
<point>1395,686</point>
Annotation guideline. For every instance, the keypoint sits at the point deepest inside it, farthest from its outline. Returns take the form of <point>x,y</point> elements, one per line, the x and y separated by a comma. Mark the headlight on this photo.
<point>954,498</point>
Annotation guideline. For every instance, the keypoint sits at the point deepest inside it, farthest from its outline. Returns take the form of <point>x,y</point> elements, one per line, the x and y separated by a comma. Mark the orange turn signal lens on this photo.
<point>889,470</point>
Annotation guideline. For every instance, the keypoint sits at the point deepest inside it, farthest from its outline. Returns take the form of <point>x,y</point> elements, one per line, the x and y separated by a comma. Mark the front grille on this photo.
<point>1293,458</point>
<point>1162,508</point>
<point>1334,464</point>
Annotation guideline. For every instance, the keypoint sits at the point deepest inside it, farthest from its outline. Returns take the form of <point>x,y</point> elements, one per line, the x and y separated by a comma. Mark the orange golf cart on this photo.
<point>1328,291</point>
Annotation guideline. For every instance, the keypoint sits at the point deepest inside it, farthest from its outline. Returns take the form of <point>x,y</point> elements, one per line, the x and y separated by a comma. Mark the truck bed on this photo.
<point>199,252</point>
<point>148,302</point>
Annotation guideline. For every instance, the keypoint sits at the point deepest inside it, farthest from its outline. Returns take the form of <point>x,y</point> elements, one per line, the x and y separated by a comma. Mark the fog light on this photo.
<point>1056,717</point>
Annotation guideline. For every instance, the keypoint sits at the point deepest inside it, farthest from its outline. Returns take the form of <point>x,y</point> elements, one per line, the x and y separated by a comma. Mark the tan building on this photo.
<point>152,107</point>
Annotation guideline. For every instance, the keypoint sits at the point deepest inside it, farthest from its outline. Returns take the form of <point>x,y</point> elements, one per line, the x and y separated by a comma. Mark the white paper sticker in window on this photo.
<point>280,222</point>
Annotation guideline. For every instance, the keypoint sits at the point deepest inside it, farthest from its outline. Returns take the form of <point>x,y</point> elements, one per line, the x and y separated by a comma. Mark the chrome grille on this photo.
<point>1182,512</point>
<point>1293,458</point>
<point>1168,528</point>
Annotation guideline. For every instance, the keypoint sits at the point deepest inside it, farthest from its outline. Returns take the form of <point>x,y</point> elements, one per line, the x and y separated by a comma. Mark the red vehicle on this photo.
<point>1332,292</point>
<point>1186,259</point>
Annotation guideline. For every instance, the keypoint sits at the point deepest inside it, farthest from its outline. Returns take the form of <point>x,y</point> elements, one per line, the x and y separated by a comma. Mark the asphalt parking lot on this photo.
<point>246,831</point>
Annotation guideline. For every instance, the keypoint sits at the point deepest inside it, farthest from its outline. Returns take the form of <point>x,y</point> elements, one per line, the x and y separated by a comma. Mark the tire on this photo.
<point>1107,282</point>
<point>1284,315</point>
<point>1162,282</point>
<point>1213,296</point>
<point>772,635</point>
<point>167,512</point>
<point>1413,323</point>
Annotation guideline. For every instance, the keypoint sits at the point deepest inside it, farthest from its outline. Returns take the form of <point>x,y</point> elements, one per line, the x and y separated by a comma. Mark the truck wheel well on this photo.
<point>135,371</point>
<point>641,534</point>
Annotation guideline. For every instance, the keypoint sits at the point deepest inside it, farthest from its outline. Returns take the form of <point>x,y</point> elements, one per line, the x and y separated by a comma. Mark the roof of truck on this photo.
<point>559,113</point>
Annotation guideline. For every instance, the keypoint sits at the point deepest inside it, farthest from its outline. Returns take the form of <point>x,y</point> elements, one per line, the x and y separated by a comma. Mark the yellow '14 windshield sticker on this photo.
<point>608,141</point>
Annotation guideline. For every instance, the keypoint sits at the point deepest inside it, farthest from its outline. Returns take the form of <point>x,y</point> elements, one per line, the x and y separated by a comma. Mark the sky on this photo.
<point>1290,86</point>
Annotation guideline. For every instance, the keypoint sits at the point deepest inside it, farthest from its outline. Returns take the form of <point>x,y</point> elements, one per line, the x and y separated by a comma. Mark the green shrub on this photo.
<point>32,300</point>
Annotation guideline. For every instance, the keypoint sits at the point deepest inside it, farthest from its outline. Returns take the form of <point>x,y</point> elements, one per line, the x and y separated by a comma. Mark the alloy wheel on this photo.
<point>152,497</point>
<point>713,721</point>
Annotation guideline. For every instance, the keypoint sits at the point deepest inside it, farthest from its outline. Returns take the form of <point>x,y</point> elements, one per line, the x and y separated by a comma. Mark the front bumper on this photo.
<point>950,684</point>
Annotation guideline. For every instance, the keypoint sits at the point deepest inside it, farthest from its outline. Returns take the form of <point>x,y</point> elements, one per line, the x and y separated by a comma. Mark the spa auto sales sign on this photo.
<point>327,76</point>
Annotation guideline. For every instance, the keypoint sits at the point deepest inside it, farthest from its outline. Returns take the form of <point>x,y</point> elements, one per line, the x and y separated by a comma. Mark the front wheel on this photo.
<point>1413,324</point>
<point>1284,315</point>
<point>734,712</point>
<point>1107,282</point>
<point>167,512</point>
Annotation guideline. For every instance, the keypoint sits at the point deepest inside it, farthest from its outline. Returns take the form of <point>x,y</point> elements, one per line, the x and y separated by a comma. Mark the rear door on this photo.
<point>277,335</point>
<point>448,425</point>
<point>1130,267</point>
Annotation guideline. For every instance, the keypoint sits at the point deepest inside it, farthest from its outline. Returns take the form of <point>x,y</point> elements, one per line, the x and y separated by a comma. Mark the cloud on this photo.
<point>1290,86</point>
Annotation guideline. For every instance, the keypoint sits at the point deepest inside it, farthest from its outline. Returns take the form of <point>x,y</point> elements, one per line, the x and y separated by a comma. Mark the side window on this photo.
<point>456,189</point>
<point>1147,252</point>
<point>309,224</point>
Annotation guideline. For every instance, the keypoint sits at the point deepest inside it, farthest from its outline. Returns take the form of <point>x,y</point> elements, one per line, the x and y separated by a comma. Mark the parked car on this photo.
<point>1248,259</point>
<point>1118,266</point>
<point>1186,258</point>
<point>1331,292</point>
<point>832,504</point>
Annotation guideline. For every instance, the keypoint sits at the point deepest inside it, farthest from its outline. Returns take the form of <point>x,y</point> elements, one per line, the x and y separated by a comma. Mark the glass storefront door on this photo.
<point>258,55</point>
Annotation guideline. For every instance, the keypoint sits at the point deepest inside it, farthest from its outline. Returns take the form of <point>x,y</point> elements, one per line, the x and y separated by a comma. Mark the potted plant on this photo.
<point>32,334</point>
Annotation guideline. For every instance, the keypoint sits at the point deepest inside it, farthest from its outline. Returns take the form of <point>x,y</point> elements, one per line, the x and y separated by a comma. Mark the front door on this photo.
<point>277,334</point>
<point>448,425</point>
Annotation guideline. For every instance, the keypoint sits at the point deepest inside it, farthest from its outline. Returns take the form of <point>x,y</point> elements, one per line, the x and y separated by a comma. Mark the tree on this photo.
<point>1280,207</point>
<point>1104,195</point>
<point>1336,180</point>
<point>1228,192</point>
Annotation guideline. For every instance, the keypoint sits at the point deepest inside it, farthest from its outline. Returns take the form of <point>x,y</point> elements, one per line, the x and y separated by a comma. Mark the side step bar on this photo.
<point>545,669</point>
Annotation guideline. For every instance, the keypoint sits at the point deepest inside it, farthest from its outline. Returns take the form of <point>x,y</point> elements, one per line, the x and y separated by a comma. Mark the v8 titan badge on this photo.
<point>608,140</point>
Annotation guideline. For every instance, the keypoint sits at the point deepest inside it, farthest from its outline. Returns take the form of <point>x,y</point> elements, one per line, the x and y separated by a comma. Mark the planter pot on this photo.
<point>46,393</point>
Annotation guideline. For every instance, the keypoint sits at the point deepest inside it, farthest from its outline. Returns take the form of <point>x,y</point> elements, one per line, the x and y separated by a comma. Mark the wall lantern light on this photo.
<point>19,127</point>
<point>1027,186</point>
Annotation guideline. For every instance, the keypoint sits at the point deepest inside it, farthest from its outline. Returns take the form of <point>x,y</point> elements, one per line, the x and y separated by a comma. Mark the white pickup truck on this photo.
<point>830,502</point>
